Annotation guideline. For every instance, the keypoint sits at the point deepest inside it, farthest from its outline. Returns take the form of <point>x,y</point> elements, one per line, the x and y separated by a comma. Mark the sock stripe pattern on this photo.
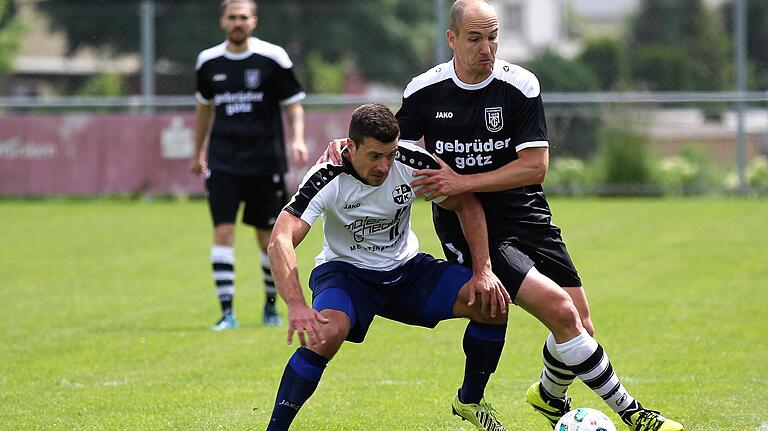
<point>556,378</point>
<point>588,360</point>
<point>269,282</point>
<point>223,263</point>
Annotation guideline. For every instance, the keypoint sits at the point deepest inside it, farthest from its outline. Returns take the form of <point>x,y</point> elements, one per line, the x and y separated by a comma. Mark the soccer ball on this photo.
<point>584,419</point>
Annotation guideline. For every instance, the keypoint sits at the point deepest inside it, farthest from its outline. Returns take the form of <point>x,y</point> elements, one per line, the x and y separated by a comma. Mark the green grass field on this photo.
<point>105,307</point>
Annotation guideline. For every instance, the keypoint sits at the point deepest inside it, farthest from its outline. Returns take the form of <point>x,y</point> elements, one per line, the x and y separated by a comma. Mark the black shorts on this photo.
<point>513,257</point>
<point>264,198</point>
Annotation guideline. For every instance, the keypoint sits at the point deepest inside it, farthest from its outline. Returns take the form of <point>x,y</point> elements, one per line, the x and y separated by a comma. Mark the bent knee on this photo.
<point>479,317</point>
<point>337,329</point>
<point>565,316</point>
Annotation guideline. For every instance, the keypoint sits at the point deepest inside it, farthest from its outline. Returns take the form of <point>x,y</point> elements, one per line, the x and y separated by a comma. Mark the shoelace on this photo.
<point>648,420</point>
<point>487,417</point>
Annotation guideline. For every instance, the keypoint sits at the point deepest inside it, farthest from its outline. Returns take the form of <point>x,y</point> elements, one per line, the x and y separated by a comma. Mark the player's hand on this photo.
<point>439,182</point>
<point>307,322</point>
<point>300,153</point>
<point>197,165</point>
<point>493,295</point>
<point>333,152</point>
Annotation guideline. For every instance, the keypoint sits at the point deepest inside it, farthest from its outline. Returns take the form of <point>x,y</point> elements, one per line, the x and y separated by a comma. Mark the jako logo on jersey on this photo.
<point>441,114</point>
<point>494,121</point>
<point>252,78</point>
<point>351,206</point>
<point>402,194</point>
<point>219,77</point>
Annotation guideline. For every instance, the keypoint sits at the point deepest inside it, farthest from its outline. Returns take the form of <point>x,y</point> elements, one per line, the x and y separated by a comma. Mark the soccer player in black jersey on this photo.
<point>484,118</point>
<point>243,86</point>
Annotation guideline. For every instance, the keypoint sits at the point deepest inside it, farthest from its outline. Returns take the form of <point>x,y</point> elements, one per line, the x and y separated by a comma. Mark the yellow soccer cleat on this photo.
<point>481,415</point>
<point>552,410</point>
<point>651,420</point>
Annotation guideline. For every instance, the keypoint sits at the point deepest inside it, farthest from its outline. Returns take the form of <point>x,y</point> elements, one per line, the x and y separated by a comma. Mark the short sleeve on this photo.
<point>288,87</point>
<point>204,88</point>
<point>532,125</point>
<point>411,129</point>
<point>309,202</point>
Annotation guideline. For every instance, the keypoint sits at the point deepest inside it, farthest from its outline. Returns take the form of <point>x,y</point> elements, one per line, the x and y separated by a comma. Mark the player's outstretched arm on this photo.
<point>483,281</point>
<point>528,169</point>
<point>287,234</point>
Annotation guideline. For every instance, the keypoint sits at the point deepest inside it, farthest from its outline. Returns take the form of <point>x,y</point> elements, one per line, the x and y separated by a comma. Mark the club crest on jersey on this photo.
<point>494,121</point>
<point>402,194</point>
<point>252,78</point>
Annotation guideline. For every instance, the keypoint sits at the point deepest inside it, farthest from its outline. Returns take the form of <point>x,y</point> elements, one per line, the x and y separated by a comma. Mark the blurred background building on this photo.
<point>642,96</point>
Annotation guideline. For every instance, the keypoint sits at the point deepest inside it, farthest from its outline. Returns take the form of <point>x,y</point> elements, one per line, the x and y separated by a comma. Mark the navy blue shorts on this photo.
<point>421,292</point>
<point>264,198</point>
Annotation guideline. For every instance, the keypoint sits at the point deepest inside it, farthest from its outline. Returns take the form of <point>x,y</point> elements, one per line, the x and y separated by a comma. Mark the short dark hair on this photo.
<point>373,121</point>
<point>225,3</point>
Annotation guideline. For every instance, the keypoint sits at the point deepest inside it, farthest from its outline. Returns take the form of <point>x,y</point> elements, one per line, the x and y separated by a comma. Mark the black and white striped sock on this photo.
<point>586,358</point>
<point>223,262</point>
<point>269,284</point>
<point>555,377</point>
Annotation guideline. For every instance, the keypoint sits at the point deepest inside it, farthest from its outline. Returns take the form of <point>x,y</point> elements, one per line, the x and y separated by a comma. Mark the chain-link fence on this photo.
<point>642,96</point>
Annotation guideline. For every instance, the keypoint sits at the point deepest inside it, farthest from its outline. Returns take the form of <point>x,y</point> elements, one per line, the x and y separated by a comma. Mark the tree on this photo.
<point>385,40</point>
<point>757,39</point>
<point>606,58</point>
<point>572,132</point>
<point>687,38</point>
<point>10,28</point>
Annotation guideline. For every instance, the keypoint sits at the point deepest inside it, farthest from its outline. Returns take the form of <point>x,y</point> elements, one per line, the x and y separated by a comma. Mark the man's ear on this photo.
<point>350,149</point>
<point>451,39</point>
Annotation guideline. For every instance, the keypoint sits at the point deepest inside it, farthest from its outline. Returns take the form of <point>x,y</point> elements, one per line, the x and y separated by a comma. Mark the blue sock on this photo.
<point>482,346</point>
<point>300,379</point>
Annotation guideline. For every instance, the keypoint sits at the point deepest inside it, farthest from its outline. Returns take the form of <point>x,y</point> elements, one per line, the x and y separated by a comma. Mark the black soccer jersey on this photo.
<point>247,90</point>
<point>478,128</point>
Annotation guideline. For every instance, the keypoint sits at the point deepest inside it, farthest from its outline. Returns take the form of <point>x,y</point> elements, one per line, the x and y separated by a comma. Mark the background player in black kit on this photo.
<point>243,86</point>
<point>485,119</point>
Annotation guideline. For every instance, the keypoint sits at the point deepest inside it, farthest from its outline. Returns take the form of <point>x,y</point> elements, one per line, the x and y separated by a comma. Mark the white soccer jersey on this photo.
<point>366,226</point>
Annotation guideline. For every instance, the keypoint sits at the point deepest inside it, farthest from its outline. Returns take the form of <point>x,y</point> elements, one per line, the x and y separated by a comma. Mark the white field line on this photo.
<point>763,427</point>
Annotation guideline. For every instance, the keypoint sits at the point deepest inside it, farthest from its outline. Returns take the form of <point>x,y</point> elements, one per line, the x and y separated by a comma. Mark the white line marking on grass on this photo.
<point>763,426</point>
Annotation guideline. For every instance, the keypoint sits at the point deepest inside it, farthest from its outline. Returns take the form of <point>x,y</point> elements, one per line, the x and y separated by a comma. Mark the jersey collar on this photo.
<point>464,85</point>
<point>239,55</point>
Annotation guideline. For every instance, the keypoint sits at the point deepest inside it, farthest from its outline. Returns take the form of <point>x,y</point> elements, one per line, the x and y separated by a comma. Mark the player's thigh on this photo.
<point>427,292</point>
<point>335,287</point>
<point>550,304</point>
<point>223,198</point>
<point>265,197</point>
<point>475,311</point>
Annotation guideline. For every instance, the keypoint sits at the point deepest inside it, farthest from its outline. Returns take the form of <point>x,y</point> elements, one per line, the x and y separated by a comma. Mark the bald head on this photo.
<point>461,8</point>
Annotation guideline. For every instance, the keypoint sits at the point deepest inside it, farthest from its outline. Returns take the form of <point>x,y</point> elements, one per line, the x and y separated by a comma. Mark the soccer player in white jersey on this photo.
<point>371,265</point>
<point>244,84</point>
<point>485,118</point>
